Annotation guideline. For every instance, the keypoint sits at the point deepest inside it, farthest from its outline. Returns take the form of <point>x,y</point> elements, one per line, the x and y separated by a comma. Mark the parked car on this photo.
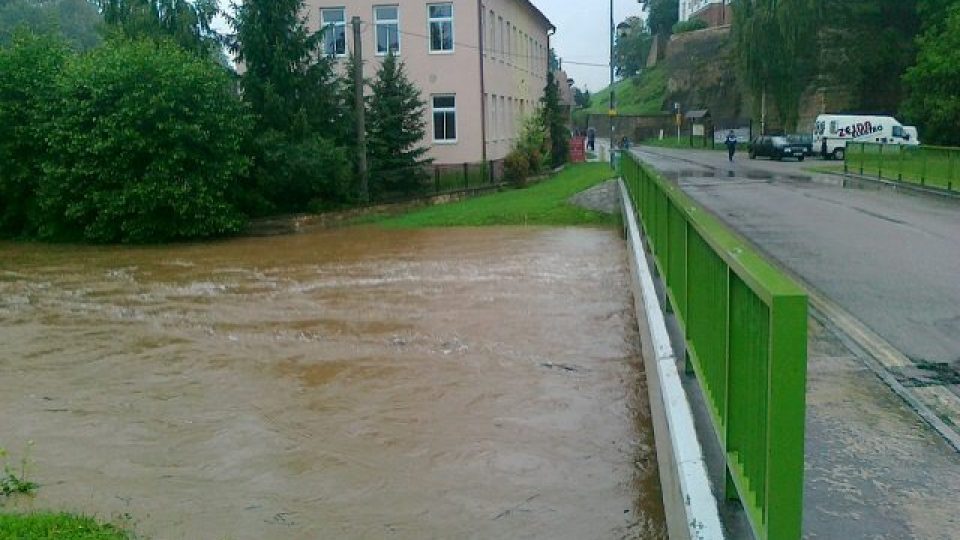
<point>775,147</point>
<point>805,140</point>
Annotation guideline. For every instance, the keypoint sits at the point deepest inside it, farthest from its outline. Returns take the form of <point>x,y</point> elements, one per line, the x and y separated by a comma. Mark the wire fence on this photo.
<point>436,179</point>
<point>930,166</point>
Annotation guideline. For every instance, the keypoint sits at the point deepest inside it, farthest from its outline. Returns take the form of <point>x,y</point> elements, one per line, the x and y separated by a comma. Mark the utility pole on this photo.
<point>360,111</point>
<point>613,101</point>
<point>763,111</point>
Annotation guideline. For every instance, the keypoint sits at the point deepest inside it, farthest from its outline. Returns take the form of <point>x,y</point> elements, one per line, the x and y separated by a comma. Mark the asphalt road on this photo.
<point>891,259</point>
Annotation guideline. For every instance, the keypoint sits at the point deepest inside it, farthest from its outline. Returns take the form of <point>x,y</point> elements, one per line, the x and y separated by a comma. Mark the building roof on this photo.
<point>699,114</point>
<point>537,12</point>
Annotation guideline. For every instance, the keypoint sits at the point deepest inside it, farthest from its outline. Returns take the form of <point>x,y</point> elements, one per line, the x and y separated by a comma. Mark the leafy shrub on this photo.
<point>296,175</point>
<point>516,167</point>
<point>689,26</point>
<point>145,146</point>
<point>29,68</point>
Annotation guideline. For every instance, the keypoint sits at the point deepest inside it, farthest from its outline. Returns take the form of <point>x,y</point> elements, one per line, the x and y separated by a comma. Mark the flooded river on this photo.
<point>358,383</point>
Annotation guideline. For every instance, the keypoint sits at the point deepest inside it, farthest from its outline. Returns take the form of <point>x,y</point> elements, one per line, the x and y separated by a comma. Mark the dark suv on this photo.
<point>776,147</point>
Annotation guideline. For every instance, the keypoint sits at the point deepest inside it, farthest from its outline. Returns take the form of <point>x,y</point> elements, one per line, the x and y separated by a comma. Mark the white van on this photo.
<point>832,132</point>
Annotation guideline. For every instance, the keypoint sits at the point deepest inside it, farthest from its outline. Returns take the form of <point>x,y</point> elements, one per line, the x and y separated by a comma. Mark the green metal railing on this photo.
<point>745,327</point>
<point>930,166</point>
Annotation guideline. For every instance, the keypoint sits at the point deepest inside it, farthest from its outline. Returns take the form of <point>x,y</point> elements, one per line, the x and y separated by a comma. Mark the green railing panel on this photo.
<point>748,379</point>
<point>932,166</point>
<point>677,267</point>
<point>745,328</point>
<point>705,322</point>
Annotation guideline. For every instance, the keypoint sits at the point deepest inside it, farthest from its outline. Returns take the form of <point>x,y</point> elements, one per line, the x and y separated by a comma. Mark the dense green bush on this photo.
<point>145,146</point>
<point>689,26</point>
<point>28,85</point>
<point>933,85</point>
<point>297,174</point>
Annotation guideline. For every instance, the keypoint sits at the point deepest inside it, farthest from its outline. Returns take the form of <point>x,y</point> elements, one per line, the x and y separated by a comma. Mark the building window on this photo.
<point>492,26</point>
<point>500,37</point>
<point>334,24</point>
<point>445,119</point>
<point>440,17</point>
<point>387,22</point>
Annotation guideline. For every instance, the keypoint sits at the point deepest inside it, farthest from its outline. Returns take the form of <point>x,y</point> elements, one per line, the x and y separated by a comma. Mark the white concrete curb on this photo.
<point>688,500</point>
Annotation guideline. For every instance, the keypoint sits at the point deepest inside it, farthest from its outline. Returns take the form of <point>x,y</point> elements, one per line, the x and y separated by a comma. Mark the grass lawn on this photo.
<point>643,94</point>
<point>43,526</point>
<point>830,169</point>
<point>542,204</point>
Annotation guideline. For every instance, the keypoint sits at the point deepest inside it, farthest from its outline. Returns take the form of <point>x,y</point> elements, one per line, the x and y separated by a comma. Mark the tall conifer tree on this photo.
<point>396,127</point>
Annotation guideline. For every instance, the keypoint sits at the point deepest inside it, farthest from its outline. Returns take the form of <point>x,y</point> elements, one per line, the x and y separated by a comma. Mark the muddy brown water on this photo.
<point>360,383</point>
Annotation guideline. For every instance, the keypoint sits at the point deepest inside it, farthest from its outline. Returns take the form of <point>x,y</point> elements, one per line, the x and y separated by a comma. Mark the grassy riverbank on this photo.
<point>542,204</point>
<point>57,526</point>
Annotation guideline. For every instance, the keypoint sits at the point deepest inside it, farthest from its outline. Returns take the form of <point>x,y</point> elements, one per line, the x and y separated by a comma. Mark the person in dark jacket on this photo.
<point>591,139</point>
<point>731,142</point>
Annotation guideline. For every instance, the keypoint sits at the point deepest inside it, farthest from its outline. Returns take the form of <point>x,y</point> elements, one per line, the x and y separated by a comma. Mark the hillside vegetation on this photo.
<point>641,94</point>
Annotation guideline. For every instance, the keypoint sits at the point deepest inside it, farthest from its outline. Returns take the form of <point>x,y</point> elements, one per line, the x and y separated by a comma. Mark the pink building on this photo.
<point>480,65</point>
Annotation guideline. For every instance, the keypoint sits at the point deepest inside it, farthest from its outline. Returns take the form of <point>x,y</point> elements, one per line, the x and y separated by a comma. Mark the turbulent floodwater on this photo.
<point>349,384</point>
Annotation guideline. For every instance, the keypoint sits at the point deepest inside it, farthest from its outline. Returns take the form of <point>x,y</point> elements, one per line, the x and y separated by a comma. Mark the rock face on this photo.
<point>702,74</point>
<point>864,48</point>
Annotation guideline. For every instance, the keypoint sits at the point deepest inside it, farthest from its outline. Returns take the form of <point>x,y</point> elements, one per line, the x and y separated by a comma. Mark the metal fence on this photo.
<point>923,165</point>
<point>745,331</point>
<point>436,179</point>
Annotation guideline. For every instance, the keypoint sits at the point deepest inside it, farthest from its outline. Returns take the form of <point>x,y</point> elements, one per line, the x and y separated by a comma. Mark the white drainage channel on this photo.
<point>689,503</point>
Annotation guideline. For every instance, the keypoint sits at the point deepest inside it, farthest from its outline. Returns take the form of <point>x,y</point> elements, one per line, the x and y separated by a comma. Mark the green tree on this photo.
<point>582,98</point>
<point>144,146</point>
<point>76,21</point>
<point>186,22</point>
<point>395,130</point>
<point>777,55</point>
<point>555,122</point>
<point>933,84</point>
<point>30,66</point>
<point>300,159</point>
<point>632,47</point>
<point>661,15</point>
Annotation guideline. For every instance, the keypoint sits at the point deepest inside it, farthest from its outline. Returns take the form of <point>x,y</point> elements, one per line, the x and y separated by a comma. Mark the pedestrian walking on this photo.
<point>591,139</point>
<point>731,142</point>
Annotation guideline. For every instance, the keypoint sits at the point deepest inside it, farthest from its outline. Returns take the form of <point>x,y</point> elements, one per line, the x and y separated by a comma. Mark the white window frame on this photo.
<point>376,30</point>
<point>492,30</point>
<point>444,110</point>
<point>453,31</point>
<point>335,24</point>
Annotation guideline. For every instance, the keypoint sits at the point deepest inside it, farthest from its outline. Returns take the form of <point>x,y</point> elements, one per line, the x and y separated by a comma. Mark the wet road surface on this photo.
<point>349,384</point>
<point>874,469</point>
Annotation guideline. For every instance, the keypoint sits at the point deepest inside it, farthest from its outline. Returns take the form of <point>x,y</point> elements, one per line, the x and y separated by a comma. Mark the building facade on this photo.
<point>712,12</point>
<point>480,65</point>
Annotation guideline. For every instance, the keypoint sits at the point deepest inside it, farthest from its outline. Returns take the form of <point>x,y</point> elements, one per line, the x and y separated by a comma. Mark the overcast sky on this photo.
<point>583,35</point>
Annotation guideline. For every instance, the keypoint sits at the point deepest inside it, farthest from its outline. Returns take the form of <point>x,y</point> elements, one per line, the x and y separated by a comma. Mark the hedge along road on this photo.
<point>890,260</point>
<point>360,383</point>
